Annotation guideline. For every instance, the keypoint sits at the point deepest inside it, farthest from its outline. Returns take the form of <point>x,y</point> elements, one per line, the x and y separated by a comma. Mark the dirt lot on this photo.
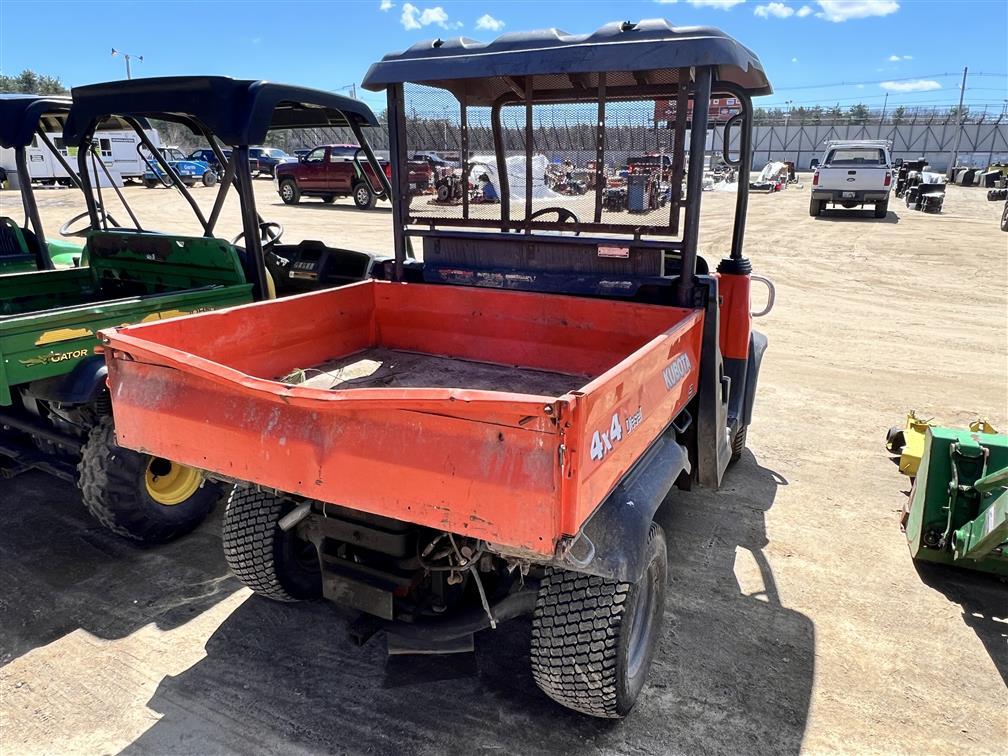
<point>795,618</point>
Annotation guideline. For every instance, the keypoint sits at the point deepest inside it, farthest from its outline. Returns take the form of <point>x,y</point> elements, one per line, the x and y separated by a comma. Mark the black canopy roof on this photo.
<point>650,50</point>
<point>20,115</point>
<point>237,111</point>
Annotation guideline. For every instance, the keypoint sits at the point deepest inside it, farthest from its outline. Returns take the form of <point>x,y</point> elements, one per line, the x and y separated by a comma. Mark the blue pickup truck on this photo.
<point>188,169</point>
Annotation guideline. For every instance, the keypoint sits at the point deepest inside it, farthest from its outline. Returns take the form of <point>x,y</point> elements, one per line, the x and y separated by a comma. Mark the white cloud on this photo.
<point>838,11</point>
<point>386,5</point>
<point>860,86</point>
<point>794,60</point>
<point>666,2</point>
<point>774,9</point>
<point>486,21</point>
<point>415,18</point>
<point>722,4</point>
<point>908,57</point>
<point>898,58</point>
<point>916,85</point>
<point>805,10</point>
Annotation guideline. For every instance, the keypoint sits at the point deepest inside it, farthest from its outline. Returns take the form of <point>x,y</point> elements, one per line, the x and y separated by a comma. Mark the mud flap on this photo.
<point>611,543</point>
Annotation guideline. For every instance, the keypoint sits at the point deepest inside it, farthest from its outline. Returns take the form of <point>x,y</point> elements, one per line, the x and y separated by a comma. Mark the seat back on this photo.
<point>128,263</point>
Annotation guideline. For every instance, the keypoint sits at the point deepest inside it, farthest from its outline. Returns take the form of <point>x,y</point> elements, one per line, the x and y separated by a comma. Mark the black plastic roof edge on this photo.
<point>236,111</point>
<point>652,44</point>
<point>20,115</point>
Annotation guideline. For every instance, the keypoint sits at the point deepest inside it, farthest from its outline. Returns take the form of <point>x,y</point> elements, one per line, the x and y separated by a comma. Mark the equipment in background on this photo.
<point>925,191</point>
<point>956,512</point>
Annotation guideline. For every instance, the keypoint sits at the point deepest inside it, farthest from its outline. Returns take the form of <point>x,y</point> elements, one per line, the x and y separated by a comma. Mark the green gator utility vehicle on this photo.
<point>55,412</point>
<point>25,120</point>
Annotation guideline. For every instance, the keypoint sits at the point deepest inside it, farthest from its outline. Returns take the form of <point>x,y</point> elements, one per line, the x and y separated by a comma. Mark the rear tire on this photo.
<point>289,192</point>
<point>1004,217</point>
<point>739,444</point>
<point>209,178</point>
<point>593,639</point>
<point>881,208</point>
<point>329,198</point>
<point>815,207</point>
<point>151,183</point>
<point>363,196</point>
<point>271,562</point>
<point>113,485</point>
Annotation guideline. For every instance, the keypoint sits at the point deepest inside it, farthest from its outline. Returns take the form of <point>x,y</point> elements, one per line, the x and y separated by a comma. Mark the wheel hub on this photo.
<point>170,483</point>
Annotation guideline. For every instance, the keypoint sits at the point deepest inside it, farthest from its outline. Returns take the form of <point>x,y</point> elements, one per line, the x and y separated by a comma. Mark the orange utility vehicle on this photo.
<point>489,431</point>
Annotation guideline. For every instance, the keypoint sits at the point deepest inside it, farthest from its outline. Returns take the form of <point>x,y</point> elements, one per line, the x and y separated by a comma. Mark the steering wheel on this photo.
<point>65,229</point>
<point>269,231</point>
<point>563,216</point>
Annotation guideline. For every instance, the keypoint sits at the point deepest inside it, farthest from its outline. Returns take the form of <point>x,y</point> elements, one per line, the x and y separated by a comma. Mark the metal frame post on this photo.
<point>694,184</point>
<point>250,221</point>
<point>397,157</point>
<point>42,259</point>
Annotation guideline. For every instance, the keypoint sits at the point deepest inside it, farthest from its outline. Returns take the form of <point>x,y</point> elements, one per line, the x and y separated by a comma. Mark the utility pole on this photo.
<point>962,119</point>
<point>128,57</point>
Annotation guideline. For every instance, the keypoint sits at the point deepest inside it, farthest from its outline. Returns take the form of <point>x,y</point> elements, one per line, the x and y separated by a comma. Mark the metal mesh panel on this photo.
<point>635,176</point>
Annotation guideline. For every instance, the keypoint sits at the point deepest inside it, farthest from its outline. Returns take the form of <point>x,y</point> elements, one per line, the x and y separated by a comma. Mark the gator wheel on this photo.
<point>593,639</point>
<point>739,443</point>
<point>271,562</point>
<point>140,497</point>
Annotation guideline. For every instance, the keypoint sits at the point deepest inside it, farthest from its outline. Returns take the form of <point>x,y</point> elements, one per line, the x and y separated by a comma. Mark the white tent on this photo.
<point>487,164</point>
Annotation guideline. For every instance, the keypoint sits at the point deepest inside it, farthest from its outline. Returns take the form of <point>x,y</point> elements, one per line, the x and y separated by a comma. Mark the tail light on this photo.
<point>815,178</point>
<point>888,178</point>
<point>388,171</point>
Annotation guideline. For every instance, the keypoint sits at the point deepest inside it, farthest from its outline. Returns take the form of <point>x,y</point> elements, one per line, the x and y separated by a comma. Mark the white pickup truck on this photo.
<point>853,174</point>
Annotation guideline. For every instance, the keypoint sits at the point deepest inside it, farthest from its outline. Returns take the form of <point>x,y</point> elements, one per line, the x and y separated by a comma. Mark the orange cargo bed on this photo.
<point>500,415</point>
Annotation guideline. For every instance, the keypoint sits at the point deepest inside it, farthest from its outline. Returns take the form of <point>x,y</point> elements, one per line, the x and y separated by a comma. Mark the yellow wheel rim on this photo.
<point>170,483</point>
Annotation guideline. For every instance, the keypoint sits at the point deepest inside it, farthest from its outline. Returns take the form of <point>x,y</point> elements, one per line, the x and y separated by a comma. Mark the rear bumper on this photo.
<point>860,195</point>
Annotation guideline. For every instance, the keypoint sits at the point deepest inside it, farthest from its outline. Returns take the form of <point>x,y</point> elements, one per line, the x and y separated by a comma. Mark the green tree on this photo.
<point>858,114</point>
<point>834,113</point>
<point>31,82</point>
<point>898,115</point>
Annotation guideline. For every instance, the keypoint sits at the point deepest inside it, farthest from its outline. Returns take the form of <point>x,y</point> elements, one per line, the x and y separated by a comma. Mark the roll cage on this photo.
<point>230,112</point>
<point>22,119</point>
<point>649,62</point>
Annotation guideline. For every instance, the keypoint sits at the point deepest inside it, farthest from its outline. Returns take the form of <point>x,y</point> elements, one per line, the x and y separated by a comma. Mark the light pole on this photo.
<point>787,120</point>
<point>128,57</point>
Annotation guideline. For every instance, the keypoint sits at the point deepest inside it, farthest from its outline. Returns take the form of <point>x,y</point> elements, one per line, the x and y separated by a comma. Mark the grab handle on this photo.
<point>771,293</point>
<point>725,141</point>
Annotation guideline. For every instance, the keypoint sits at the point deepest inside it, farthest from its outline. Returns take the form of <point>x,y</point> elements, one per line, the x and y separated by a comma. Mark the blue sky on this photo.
<point>914,50</point>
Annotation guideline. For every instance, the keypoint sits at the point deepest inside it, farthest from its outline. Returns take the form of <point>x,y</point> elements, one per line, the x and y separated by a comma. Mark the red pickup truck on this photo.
<point>330,171</point>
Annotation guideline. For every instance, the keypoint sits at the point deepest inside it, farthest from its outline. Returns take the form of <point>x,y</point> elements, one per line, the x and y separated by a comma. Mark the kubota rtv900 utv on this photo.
<point>490,432</point>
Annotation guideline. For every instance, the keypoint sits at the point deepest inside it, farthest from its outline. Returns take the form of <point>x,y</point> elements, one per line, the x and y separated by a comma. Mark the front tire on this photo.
<point>593,639</point>
<point>209,178</point>
<point>152,183</point>
<point>289,192</point>
<point>739,444</point>
<point>271,562</point>
<point>143,498</point>
<point>363,196</point>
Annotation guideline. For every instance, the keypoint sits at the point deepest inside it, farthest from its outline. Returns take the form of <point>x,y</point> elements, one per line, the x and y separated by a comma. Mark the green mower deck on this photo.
<point>958,509</point>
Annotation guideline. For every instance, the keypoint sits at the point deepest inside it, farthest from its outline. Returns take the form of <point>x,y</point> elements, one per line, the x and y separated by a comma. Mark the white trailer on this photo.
<point>117,148</point>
